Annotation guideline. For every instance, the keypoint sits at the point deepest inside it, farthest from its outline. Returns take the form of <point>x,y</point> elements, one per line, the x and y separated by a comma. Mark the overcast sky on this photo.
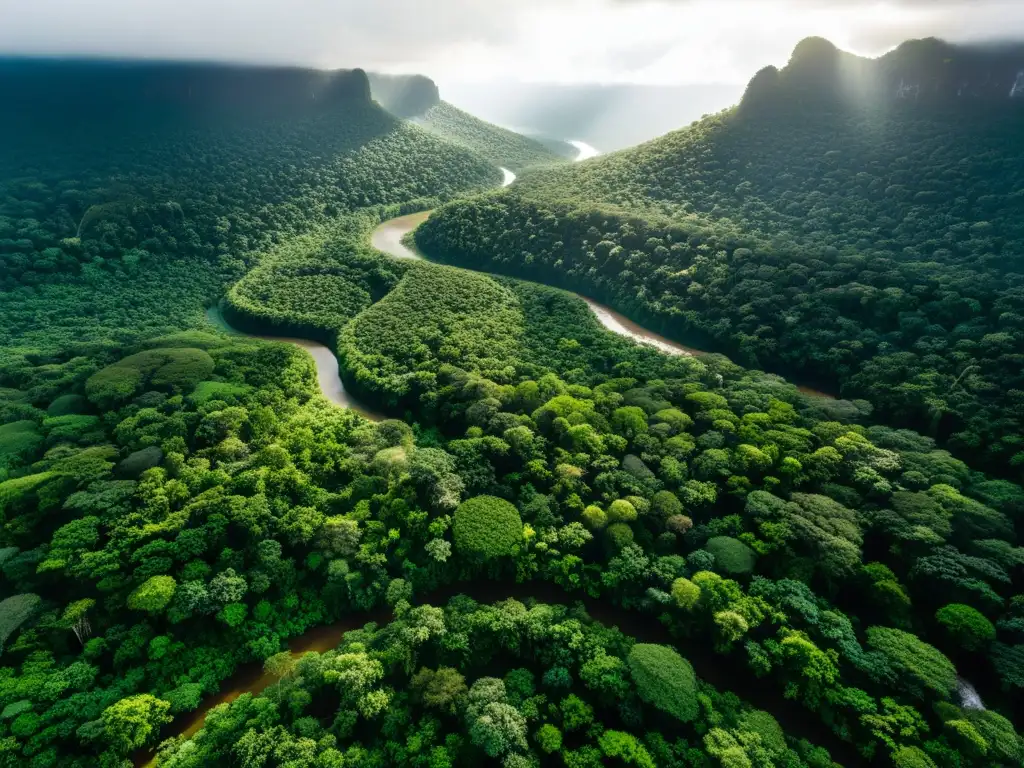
<point>566,41</point>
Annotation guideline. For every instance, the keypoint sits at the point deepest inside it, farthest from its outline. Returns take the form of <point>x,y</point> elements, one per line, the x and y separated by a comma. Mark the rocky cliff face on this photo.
<point>405,95</point>
<point>920,72</point>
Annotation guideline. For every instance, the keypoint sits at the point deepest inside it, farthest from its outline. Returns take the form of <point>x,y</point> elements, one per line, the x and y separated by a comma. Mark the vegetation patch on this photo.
<point>665,680</point>
<point>488,527</point>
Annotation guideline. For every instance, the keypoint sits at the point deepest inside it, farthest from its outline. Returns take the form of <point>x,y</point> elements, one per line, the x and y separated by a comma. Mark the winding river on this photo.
<point>252,678</point>
<point>327,372</point>
<point>388,238</point>
<point>585,150</point>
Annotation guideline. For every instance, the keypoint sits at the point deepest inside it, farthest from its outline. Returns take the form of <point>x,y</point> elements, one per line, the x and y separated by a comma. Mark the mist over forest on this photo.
<point>648,397</point>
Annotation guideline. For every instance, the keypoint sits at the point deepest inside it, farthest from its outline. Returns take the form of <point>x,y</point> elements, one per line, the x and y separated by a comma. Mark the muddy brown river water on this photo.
<point>714,669</point>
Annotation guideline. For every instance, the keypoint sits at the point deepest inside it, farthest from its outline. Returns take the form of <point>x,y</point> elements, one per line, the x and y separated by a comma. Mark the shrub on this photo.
<point>16,708</point>
<point>773,738</point>
<point>153,595</point>
<point>18,441</point>
<point>26,724</point>
<point>443,688</point>
<point>921,666</point>
<point>18,489</point>
<point>664,679</point>
<point>576,713</point>
<point>594,517</point>
<point>138,462</point>
<point>619,534</point>
<point>666,504</point>
<point>549,738</point>
<point>15,611</point>
<point>678,524</point>
<point>128,723</point>
<point>1004,745</point>
<point>621,511</point>
<point>686,593</point>
<point>65,405</point>
<point>911,757</point>
<point>488,527</point>
<point>73,428</point>
<point>206,391</point>
<point>731,555</point>
<point>965,737</point>
<point>967,626</point>
<point>700,560</point>
<point>625,747</point>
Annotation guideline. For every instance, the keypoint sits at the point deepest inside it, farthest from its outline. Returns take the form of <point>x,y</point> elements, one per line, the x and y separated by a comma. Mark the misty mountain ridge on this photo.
<point>98,85</point>
<point>404,95</point>
<point>921,72</point>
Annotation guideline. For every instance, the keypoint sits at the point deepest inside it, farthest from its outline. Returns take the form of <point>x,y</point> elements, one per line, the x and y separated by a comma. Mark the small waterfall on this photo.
<point>969,698</point>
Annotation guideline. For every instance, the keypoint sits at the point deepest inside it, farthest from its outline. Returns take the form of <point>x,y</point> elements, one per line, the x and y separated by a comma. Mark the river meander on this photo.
<point>251,678</point>
<point>327,371</point>
<point>710,667</point>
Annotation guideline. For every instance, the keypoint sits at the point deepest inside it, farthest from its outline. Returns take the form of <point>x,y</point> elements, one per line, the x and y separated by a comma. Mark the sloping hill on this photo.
<point>404,95</point>
<point>130,192</point>
<point>865,236</point>
<point>500,146</point>
<point>417,98</point>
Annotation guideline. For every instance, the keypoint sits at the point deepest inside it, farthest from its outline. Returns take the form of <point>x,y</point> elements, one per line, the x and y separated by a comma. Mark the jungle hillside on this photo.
<point>278,492</point>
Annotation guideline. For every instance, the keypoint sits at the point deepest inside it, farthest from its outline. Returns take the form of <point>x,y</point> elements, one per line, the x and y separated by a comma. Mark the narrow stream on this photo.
<point>327,372</point>
<point>713,669</point>
<point>585,150</point>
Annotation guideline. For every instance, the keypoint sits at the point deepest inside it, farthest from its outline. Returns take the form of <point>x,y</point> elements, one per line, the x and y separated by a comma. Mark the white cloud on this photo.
<point>653,41</point>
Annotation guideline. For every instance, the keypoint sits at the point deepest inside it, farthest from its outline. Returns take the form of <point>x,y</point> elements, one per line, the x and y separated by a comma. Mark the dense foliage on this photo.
<point>177,505</point>
<point>509,682</point>
<point>487,527</point>
<point>870,246</point>
<point>498,145</point>
<point>739,471</point>
<point>124,221</point>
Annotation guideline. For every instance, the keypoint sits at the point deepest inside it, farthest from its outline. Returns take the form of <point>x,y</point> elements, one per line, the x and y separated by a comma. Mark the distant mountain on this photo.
<point>183,172</point>
<point>417,98</point>
<point>97,85</point>
<point>404,95</point>
<point>922,72</point>
<point>609,117</point>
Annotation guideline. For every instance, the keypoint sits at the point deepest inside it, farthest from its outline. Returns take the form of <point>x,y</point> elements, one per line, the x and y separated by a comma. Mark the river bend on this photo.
<point>709,666</point>
<point>328,373</point>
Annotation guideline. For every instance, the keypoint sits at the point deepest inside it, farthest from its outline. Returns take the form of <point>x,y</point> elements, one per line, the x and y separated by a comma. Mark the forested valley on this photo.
<point>560,547</point>
<point>866,243</point>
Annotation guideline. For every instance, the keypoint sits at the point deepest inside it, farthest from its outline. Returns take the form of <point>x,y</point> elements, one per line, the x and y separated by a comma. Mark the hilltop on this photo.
<point>927,72</point>
<point>417,98</point>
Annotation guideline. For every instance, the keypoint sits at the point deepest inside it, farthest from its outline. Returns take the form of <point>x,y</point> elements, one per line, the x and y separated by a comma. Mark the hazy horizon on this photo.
<point>459,43</point>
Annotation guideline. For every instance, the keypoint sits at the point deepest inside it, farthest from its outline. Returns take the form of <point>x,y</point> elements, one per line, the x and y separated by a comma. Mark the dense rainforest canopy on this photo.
<point>853,223</point>
<point>795,583</point>
<point>140,208</point>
